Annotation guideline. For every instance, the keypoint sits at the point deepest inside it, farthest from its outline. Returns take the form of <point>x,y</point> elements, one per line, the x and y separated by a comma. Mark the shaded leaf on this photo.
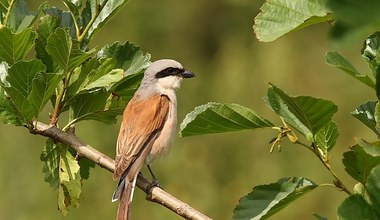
<point>366,114</point>
<point>15,47</point>
<point>219,118</point>
<point>355,207</point>
<point>371,52</point>
<point>51,157</point>
<point>98,105</point>
<point>46,27</point>
<point>361,159</point>
<point>333,58</point>
<point>354,20</point>
<point>65,51</point>
<point>306,114</point>
<point>266,200</point>
<point>20,17</point>
<point>327,136</point>
<point>278,17</point>
<point>65,19</point>
<point>373,187</point>
<point>85,166</point>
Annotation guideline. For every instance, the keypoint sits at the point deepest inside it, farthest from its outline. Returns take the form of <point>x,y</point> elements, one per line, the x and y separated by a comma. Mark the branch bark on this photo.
<point>156,195</point>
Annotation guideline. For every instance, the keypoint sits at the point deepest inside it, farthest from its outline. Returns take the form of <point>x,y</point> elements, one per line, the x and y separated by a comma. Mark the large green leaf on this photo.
<point>373,187</point>
<point>266,200</point>
<point>306,114</point>
<point>98,105</point>
<point>278,17</point>
<point>129,57</point>
<point>333,58</point>
<point>47,26</point>
<point>361,159</point>
<point>15,47</point>
<point>219,118</point>
<point>21,83</point>
<point>65,51</point>
<point>103,12</point>
<point>366,113</point>
<point>65,19</point>
<point>327,136</point>
<point>355,207</point>
<point>354,20</point>
<point>63,172</point>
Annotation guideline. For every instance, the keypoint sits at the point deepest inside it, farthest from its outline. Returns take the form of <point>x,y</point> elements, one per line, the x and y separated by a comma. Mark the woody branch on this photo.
<point>84,150</point>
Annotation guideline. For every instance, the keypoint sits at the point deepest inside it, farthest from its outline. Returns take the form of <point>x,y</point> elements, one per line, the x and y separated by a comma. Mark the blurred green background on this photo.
<point>215,40</point>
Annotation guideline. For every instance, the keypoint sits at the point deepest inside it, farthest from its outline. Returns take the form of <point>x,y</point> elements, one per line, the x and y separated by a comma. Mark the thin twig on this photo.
<point>157,195</point>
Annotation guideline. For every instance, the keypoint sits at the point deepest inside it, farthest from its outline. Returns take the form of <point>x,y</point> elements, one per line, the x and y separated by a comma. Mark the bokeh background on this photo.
<point>215,40</point>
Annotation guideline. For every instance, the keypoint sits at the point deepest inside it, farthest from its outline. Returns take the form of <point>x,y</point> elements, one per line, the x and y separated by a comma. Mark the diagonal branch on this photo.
<point>84,150</point>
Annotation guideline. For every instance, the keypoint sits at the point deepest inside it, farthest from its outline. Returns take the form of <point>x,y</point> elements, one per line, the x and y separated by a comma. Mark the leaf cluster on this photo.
<point>45,60</point>
<point>310,117</point>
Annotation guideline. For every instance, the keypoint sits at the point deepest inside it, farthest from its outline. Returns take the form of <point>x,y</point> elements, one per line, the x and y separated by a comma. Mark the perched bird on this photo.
<point>148,127</point>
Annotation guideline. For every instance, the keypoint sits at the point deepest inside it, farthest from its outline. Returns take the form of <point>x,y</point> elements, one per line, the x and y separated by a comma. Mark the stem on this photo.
<point>91,22</point>
<point>338,183</point>
<point>8,12</point>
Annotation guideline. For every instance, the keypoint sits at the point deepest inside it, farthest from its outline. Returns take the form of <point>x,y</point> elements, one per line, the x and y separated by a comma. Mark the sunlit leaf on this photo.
<point>333,58</point>
<point>70,185</point>
<point>21,79</point>
<point>266,200</point>
<point>326,137</point>
<point>65,51</point>
<point>129,57</point>
<point>355,207</point>
<point>15,47</point>
<point>50,156</point>
<point>218,118</point>
<point>19,16</point>
<point>366,114</point>
<point>306,114</point>
<point>361,159</point>
<point>278,17</point>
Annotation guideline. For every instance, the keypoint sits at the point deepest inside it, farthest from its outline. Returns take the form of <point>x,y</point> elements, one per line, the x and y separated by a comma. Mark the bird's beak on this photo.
<point>187,74</point>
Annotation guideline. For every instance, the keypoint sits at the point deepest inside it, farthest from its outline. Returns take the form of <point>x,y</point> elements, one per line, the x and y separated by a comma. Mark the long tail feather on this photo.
<point>124,209</point>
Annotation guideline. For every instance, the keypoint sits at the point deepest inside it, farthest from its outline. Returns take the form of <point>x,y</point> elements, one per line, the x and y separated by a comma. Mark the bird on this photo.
<point>148,127</point>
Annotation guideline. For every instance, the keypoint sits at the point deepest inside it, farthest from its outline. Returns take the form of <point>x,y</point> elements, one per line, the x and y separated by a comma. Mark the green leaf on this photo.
<point>266,200</point>
<point>355,207</point>
<point>371,54</point>
<point>373,187</point>
<point>327,136</point>
<point>63,172</point>
<point>85,166</point>
<point>21,83</point>
<point>46,27</point>
<point>333,58</point>
<point>219,118</point>
<point>129,57</point>
<point>65,19</point>
<point>278,17</point>
<point>43,87</point>
<point>65,51</point>
<point>98,105</point>
<point>361,159</point>
<point>50,156</point>
<point>127,87</point>
<point>15,47</point>
<point>306,114</point>
<point>70,186</point>
<point>366,114</point>
<point>103,12</point>
<point>8,115</point>
<point>354,20</point>
<point>19,17</point>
